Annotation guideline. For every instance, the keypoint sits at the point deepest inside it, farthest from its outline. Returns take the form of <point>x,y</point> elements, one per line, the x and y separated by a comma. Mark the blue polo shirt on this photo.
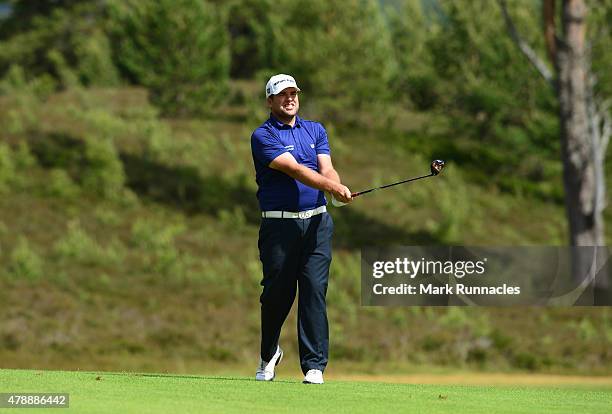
<point>305,140</point>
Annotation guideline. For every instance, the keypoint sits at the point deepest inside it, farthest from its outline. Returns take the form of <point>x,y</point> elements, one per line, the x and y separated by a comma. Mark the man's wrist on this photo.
<point>331,185</point>
<point>332,175</point>
<point>337,187</point>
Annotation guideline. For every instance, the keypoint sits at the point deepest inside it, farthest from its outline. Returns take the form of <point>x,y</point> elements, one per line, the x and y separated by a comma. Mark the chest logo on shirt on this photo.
<point>289,147</point>
<point>311,145</point>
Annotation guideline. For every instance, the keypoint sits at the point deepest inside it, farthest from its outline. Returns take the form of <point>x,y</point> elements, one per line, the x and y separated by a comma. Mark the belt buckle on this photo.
<point>305,214</point>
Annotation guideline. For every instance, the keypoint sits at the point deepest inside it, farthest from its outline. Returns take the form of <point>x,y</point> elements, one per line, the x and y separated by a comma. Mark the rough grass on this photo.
<point>103,392</point>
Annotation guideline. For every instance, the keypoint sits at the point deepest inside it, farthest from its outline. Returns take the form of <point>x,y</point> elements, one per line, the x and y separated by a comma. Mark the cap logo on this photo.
<point>282,80</point>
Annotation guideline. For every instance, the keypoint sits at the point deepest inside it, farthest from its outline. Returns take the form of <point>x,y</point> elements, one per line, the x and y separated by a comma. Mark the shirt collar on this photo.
<point>278,124</point>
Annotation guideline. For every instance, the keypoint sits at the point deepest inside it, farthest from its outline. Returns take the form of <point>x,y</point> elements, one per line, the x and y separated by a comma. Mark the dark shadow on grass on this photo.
<point>183,187</point>
<point>353,229</point>
<point>59,150</point>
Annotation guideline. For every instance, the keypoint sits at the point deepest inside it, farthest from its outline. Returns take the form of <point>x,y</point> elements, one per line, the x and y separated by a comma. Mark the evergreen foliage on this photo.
<point>177,49</point>
<point>59,38</point>
<point>340,52</point>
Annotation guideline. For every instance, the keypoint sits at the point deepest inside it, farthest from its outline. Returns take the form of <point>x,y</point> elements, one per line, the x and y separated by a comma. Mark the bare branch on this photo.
<point>599,131</point>
<point>548,13</point>
<point>604,139</point>
<point>531,55</point>
<point>607,128</point>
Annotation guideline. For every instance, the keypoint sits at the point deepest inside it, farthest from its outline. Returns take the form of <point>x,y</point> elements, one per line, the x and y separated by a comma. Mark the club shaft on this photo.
<point>390,185</point>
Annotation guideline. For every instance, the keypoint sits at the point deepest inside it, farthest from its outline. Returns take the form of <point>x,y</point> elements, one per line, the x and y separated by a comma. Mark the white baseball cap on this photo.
<point>279,82</point>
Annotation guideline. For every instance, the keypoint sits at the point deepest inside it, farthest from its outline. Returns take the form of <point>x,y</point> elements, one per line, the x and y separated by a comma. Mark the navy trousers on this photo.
<point>296,254</point>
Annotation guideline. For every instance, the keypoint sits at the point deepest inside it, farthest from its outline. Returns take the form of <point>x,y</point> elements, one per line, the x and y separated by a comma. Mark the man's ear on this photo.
<point>269,101</point>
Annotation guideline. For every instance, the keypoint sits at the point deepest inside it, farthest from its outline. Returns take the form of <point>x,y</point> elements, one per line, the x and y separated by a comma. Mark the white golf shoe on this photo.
<point>265,371</point>
<point>313,376</point>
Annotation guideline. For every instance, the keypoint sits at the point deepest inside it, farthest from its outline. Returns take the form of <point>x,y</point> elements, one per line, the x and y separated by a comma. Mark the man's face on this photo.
<point>285,104</point>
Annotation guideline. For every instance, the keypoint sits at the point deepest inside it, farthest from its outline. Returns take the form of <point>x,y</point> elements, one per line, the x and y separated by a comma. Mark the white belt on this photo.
<point>294,215</point>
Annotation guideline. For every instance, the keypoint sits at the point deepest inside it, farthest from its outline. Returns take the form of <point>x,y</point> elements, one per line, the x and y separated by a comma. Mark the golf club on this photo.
<point>436,168</point>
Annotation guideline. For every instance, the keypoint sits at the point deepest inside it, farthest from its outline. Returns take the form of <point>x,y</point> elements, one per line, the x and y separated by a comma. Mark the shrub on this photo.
<point>24,262</point>
<point>60,184</point>
<point>95,65</point>
<point>161,255</point>
<point>107,216</point>
<point>102,122</point>
<point>153,237</point>
<point>79,247</point>
<point>103,173</point>
<point>7,168</point>
<point>23,100</point>
<point>65,73</point>
<point>23,156</point>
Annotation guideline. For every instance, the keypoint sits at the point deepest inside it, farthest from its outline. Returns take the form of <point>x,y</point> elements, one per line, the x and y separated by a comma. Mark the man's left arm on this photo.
<point>326,168</point>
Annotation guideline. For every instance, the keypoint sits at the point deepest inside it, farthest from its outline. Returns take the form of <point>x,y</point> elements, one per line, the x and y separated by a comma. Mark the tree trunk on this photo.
<point>586,128</point>
<point>585,221</point>
<point>579,153</point>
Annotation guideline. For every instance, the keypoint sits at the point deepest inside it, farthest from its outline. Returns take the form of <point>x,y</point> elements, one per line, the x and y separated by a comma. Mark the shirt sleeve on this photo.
<point>265,146</point>
<point>322,145</point>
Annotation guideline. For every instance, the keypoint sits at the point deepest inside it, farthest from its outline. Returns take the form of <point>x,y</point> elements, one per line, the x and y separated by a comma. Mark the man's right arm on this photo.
<point>287,164</point>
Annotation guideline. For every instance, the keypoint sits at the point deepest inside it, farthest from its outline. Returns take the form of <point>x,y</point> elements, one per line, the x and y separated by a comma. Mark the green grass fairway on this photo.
<point>106,392</point>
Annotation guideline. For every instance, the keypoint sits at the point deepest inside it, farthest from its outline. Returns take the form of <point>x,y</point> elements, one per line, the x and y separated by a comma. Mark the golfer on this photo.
<point>293,170</point>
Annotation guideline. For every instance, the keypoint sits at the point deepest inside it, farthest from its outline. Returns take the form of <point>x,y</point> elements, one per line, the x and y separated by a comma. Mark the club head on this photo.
<point>437,166</point>
<point>336,203</point>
